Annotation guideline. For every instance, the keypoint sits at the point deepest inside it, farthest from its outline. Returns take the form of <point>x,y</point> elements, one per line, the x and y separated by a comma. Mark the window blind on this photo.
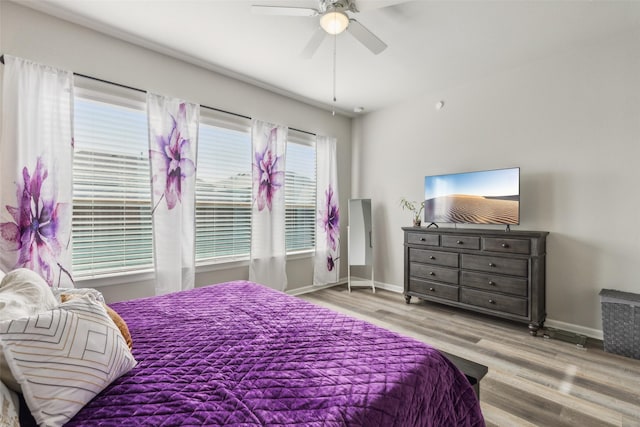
<point>223,188</point>
<point>111,224</point>
<point>300,192</point>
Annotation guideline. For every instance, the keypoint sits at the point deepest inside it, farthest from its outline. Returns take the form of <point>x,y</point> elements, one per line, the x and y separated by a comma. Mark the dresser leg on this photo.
<point>407,299</point>
<point>534,327</point>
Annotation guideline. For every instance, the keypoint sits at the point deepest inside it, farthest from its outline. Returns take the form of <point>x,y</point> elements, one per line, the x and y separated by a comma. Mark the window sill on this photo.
<point>212,265</point>
<point>308,253</point>
<point>116,279</point>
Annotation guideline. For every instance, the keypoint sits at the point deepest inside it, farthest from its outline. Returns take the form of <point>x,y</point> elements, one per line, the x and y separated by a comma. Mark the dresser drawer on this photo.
<point>461,242</point>
<point>423,239</point>
<point>448,259</point>
<point>511,246</point>
<point>496,302</point>
<point>494,264</point>
<point>498,273</point>
<point>495,283</point>
<point>431,272</point>
<point>433,289</point>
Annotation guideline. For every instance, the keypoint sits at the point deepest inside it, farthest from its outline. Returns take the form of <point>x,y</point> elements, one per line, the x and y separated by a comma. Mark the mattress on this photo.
<point>242,354</point>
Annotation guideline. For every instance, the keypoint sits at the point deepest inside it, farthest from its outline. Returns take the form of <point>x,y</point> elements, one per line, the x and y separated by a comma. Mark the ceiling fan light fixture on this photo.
<point>334,22</point>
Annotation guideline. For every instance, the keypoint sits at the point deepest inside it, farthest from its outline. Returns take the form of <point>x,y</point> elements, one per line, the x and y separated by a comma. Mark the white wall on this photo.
<point>571,122</point>
<point>43,38</point>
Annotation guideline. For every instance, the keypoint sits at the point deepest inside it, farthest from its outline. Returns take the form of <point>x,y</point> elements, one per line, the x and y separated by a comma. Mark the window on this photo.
<point>223,188</point>
<point>111,225</point>
<point>300,192</point>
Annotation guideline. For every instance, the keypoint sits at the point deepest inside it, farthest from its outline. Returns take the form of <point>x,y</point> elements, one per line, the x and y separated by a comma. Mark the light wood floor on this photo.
<point>532,381</point>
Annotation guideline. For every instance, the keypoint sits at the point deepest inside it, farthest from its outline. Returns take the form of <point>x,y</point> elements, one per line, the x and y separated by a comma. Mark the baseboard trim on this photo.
<point>313,288</point>
<point>379,285</point>
<point>389,287</point>
<point>577,329</point>
<point>343,281</point>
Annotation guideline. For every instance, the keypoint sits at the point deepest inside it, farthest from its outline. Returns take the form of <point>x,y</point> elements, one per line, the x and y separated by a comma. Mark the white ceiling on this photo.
<point>433,45</point>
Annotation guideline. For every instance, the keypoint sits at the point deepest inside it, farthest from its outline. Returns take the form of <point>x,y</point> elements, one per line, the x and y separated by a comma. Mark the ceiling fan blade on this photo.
<point>286,11</point>
<point>314,43</point>
<point>365,5</point>
<point>366,37</point>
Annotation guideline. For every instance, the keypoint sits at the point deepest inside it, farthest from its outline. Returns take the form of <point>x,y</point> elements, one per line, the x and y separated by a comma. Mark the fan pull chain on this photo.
<point>335,37</point>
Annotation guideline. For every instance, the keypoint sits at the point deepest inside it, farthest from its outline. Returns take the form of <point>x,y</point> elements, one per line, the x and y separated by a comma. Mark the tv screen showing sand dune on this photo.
<point>485,197</point>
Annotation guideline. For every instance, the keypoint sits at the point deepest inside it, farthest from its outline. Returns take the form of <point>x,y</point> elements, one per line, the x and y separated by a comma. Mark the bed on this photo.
<point>241,354</point>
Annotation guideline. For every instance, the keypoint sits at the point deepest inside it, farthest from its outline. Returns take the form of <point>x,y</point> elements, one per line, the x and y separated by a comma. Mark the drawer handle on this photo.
<point>431,273</point>
<point>422,239</point>
<point>492,301</point>
<point>432,289</point>
<point>491,264</point>
<point>460,242</point>
<point>504,245</point>
<point>432,257</point>
<point>492,283</point>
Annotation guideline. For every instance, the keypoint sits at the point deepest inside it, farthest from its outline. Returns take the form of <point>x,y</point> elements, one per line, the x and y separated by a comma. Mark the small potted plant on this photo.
<point>415,208</point>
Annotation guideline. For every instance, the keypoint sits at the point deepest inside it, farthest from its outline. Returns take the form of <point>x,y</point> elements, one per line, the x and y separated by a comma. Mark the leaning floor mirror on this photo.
<point>360,243</point>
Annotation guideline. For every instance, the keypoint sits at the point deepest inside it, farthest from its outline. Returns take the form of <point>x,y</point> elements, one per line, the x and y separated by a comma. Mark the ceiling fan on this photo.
<point>334,19</point>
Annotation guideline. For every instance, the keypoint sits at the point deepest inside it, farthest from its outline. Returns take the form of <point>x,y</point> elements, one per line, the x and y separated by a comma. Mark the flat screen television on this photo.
<point>482,197</point>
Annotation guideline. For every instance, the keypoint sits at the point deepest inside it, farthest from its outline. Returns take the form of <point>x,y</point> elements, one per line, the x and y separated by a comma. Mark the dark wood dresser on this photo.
<point>501,273</point>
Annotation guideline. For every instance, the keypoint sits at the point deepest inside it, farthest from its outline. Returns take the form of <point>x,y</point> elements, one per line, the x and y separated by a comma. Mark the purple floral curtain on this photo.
<point>268,248</point>
<point>36,153</point>
<point>173,136</point>
<point>327,256</point>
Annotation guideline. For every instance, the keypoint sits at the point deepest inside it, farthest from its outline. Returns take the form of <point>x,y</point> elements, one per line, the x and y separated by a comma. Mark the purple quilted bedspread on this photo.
<point>244,355</point>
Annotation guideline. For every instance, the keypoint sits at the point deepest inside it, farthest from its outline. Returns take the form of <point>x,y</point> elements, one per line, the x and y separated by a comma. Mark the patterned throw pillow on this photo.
<point>63,357</point>
<point>119,321</point>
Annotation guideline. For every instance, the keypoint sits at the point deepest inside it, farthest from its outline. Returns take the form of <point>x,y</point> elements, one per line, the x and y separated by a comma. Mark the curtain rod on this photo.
<point>144,91</point>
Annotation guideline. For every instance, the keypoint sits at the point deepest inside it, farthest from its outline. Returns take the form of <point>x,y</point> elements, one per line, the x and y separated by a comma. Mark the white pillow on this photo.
<point>78,292</point>
<point>9,415</point>
<point>64,357</point>
<point>23,293</point>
